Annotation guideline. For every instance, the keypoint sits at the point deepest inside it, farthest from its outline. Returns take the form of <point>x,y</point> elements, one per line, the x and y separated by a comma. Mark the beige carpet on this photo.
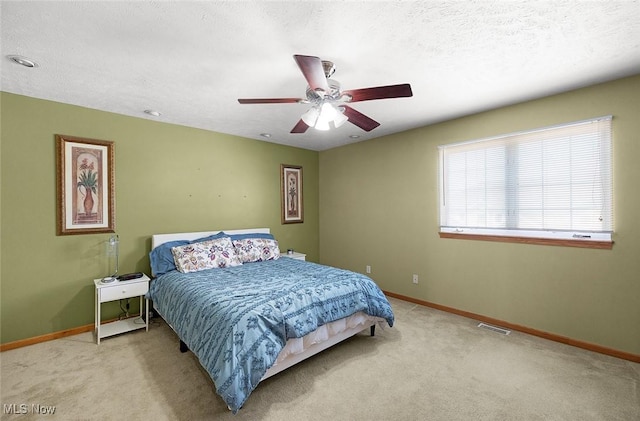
<point>430,366</point>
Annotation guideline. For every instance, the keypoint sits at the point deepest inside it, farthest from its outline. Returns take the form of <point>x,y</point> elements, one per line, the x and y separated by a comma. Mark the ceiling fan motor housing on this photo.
<point>333,94</point>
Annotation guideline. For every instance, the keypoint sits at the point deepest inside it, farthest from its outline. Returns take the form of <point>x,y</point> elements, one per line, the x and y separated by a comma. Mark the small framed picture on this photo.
<point>85,185</point>
<point>291,194</point>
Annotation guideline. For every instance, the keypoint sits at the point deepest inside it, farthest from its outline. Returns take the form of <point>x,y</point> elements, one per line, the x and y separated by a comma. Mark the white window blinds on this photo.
<point>554,183</point>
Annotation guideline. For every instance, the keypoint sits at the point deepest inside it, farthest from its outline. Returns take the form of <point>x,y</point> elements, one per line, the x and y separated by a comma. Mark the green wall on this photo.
<point>169,178</point>
<point>379,207</point>
<point>372,203</point>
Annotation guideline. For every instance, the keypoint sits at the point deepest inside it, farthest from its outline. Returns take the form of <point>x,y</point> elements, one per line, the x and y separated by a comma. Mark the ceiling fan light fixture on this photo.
<point>328,112</point>
<point>322,125</point>
<point>331,113</point>
<point>320,116</point>
<point>311,116</point>
<point>340,120</point>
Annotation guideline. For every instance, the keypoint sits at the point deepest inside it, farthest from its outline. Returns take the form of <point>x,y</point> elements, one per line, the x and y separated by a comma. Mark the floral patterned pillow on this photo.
<point>256,249</point>
<point>218,253</point>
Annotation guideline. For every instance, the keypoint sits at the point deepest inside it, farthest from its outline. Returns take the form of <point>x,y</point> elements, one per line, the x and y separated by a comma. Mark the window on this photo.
<point>552,183</point>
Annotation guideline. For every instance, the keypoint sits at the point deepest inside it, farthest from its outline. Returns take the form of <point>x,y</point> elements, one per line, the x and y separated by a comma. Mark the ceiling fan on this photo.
<point>329,102</point>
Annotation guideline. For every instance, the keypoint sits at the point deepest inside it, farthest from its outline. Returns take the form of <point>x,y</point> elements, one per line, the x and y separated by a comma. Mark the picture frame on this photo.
<point>85,185</point>
<point>291,191</point>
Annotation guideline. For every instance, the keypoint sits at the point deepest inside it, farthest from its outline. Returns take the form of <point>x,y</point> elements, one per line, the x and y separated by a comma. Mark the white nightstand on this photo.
<point>295,255</point>
<point>118,290</point>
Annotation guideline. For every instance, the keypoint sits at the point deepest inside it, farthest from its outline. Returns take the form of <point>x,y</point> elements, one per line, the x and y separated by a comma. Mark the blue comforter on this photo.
<point>236,320</point>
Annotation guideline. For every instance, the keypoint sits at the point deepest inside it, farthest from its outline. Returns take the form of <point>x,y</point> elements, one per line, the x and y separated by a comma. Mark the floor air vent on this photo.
<point>494,329</point>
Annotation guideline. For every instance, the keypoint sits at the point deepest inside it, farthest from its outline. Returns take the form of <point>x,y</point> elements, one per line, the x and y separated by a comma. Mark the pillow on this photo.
<point>251,235</point>
<point>256,249</point>
<point>217,253</point>
<point>161,257</point>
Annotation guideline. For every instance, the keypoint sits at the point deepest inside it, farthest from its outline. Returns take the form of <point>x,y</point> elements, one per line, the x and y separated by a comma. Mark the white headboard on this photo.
<point>158,239</point>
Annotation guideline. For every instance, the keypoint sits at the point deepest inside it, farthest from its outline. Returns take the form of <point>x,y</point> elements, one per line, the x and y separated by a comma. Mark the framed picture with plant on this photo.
<point>291,194</point>
<point>85,185</point>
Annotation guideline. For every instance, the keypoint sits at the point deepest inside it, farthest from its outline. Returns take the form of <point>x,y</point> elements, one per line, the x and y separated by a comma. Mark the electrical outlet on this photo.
<point>415,278</point>
<point>368,269</point>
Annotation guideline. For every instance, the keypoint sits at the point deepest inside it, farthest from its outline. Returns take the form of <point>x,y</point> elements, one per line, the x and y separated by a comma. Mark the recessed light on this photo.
<point>267,135</point>
<point>153,113</point>
<point>23,61</point>
<point>354,136</point>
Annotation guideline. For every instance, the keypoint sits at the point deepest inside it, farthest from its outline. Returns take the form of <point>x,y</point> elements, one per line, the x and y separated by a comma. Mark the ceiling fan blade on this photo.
<point>300,127</point>
<point>269,100</point>
<point>365,123</point>
<point>379,92</point>
<point>313,71</point>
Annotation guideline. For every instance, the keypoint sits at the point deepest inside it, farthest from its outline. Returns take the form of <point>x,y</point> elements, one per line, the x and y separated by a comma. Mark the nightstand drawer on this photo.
<point>117,292</point>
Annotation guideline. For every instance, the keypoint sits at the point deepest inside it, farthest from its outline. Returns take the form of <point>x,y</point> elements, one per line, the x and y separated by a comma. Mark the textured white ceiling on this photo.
<point>192,60</point>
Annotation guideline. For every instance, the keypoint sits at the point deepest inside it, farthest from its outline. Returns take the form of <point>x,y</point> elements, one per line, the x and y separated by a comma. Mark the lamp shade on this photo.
<point>113,246</point>
<point>320,116</point>
<point>311,116</point>
<point>340,118</point>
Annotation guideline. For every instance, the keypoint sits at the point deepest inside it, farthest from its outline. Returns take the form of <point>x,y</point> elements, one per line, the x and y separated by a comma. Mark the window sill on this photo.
<point>605,245</point>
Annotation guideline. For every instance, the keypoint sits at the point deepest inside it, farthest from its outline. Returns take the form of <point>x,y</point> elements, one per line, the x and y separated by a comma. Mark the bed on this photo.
<point>247,312</point>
